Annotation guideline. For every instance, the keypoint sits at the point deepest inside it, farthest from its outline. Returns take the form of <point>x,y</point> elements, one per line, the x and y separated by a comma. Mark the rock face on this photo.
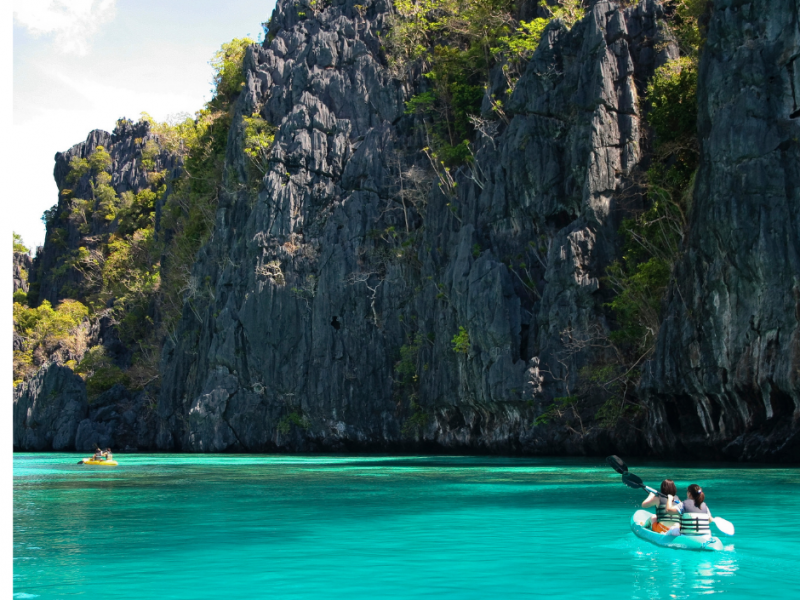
<point>119,419</point>
<point>725,380</point>
<point>48,409</point>
<point>51,412</point>
<point>64,231</point>
<point>351,300</point>
<point>349,261</point>
<point>22,269</point>
<point>68,422</point>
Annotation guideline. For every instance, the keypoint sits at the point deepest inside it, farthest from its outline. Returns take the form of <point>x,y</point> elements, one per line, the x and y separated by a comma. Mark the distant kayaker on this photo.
<point>666,519</point>
<point>108,454</point>
<point>98,454</point>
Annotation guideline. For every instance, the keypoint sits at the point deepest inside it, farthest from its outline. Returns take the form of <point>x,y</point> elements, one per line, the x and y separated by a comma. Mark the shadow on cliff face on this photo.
<point>727,427</point>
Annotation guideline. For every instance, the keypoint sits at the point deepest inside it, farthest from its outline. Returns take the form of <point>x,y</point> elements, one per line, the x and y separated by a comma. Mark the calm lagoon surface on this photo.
<point>235,526</point>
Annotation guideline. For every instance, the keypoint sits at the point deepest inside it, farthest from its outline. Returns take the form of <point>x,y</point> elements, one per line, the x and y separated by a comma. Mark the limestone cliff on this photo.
<point>725,381</point>
<point>297,343</point>
<point>22,268</point>
<point>48,408</point>
<point>52,412</point>
<point>357,296</point>
<point>69,227</point>
<point>99,180</point>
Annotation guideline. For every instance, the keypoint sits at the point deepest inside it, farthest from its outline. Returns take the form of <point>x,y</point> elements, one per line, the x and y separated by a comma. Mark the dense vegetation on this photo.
<point>456,43</point>
<point>45,331</point>
<point>129,267</point>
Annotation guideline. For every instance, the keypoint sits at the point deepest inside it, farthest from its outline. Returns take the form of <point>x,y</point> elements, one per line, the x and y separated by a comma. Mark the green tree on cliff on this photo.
<point>19,246</point>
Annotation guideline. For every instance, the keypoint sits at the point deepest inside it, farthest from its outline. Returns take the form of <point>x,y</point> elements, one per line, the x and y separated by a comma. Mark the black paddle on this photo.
<point>635,482</point>
<point>616,463</point>
<point>629,479</point>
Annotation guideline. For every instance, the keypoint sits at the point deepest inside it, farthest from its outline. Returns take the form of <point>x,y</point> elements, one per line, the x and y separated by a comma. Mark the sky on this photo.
<point>80,65</point>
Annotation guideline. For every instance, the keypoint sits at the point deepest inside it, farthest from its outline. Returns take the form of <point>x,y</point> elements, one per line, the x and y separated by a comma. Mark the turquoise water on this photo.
<point>246,527</point>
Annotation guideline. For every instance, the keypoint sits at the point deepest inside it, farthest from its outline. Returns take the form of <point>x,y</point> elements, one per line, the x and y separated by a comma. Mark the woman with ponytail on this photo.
<point>696,501</point>
<point>696,518</point>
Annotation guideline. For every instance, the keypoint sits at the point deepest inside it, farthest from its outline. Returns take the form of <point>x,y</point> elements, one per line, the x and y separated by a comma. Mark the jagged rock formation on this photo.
<point>320,315</point>
<point>64,234</point>
<point>44,429</point>
<point>48,409</point>
<point>51,412</point>
<point>725,380</point>
<point>117,418</point>
<point>310,307</point>
<point>22,268</point>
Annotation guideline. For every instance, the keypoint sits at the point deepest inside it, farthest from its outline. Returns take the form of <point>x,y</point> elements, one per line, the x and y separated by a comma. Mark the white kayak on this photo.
<point>640,525</point>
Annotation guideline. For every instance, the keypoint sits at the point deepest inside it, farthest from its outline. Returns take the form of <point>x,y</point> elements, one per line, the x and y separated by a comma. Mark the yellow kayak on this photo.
<point>105,463</point>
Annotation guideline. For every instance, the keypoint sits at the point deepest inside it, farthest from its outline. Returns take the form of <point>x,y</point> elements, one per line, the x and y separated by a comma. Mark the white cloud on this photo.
<point>72,23</point>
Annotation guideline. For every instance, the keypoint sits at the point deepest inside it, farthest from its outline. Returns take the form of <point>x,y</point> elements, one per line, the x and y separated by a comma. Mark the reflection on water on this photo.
<point>670,573</point>
<point>242,527</point>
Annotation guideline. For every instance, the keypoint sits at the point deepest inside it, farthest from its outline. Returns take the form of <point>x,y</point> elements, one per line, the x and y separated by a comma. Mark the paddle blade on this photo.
<point>615,462</point>
<point>724,526</point>
<point>632,481</point>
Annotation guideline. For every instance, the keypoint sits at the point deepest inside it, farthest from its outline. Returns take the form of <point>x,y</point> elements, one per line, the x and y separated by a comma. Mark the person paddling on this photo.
<point>667,518</point>
<point>108,454</point>
<point>98,454</point>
